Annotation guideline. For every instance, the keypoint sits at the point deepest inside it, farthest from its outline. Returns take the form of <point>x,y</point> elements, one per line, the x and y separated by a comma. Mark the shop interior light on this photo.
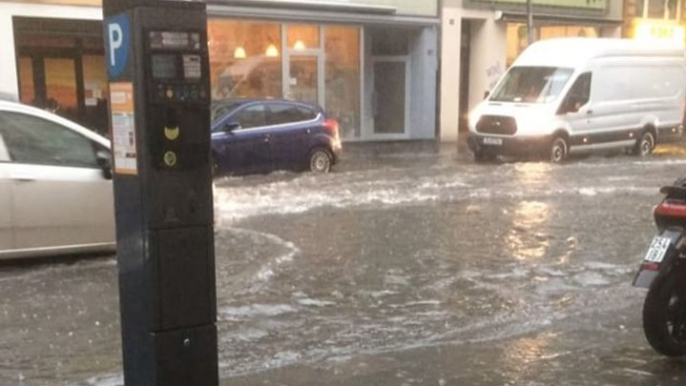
<point>299,45</point>
<point>272,51</point>
<point>648,30</point>
<point>240,53</point>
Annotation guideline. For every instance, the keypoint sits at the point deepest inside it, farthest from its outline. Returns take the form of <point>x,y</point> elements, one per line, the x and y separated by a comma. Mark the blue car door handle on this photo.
<point>266,137</point>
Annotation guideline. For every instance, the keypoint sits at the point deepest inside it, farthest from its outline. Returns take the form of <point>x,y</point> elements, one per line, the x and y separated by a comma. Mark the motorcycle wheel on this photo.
<point>664,316</point>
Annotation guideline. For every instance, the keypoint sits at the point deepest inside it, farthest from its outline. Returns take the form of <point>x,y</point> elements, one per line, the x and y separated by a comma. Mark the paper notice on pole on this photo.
<point>123,129</point>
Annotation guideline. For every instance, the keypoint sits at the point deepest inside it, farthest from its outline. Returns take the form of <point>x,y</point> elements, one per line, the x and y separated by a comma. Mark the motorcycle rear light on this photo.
<point>651,267</point>
<point>671,210</point>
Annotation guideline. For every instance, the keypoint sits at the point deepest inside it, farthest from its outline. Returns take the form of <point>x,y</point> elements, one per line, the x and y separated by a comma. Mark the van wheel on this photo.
<point>558,150</point>
<point>645,145</point>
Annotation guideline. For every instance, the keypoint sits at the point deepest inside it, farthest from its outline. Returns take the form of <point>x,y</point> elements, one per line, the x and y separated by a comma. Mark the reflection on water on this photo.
<point>527,238</point>
<point>522,354</point>
<point>527,174</point>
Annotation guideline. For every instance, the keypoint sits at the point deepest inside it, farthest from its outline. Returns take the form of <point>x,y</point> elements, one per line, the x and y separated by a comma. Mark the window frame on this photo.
<point>569,94</point>
<point>94,146</point>
<point>645,14</point>
<point>234,117</point>
<point>315,114</point>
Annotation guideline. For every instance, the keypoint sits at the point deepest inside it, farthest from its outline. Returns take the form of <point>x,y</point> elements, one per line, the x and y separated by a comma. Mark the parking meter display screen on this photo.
<point>164,66</point>
<point>169,40</point>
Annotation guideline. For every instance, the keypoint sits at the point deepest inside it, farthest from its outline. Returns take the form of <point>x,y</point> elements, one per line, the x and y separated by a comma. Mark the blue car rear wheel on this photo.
<point>320,161</point>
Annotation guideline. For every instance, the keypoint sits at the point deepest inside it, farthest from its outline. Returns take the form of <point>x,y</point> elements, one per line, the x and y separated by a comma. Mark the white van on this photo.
<point>568,95</point>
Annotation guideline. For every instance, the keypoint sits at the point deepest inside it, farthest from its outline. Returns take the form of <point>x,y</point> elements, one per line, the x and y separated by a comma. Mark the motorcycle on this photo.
<point>663,273</point>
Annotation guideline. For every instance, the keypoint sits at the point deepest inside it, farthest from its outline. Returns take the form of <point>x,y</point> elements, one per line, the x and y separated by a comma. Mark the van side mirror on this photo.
<point>487,94</point>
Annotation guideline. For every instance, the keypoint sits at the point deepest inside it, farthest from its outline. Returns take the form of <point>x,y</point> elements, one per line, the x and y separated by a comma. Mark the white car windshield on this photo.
<point>532,84</point>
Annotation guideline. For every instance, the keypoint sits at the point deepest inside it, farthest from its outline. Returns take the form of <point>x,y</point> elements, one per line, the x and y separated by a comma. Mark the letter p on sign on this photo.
<point>117,44</point>
<point>115,36</point>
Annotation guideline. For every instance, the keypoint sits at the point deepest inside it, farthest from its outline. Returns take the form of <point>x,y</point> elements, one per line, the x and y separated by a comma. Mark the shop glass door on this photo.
<point>305,78</point>
<point>304,63</point>
<point>390,96</point>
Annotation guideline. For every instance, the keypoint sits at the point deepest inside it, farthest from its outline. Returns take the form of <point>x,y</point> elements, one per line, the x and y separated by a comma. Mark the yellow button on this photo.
<point>171,133</point>
<point>170,158</point>
<point>170,93</point>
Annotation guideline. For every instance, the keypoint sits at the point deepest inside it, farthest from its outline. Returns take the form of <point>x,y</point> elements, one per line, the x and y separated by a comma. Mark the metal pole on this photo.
<point>529,21</point>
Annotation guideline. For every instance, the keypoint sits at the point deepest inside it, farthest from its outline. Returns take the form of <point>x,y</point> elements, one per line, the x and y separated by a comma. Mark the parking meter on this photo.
<point>158,67</point>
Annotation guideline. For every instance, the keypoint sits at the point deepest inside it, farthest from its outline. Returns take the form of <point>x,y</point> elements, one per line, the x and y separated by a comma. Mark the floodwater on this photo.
<point>411,269</point>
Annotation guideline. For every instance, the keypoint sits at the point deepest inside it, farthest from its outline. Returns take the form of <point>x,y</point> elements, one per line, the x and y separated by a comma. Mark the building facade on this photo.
<point>481,38</point>
<point>655,19</point>
<point>372,64</point>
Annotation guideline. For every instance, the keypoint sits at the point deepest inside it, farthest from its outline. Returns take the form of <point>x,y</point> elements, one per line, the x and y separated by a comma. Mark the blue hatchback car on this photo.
<point>251,136</point>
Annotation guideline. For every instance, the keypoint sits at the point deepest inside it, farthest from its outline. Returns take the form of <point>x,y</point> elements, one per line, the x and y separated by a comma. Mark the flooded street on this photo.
<point>411,269</point>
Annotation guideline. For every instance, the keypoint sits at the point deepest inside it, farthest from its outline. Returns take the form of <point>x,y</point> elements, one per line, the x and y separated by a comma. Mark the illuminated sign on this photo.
<point>658,30</point>
<point>587,4</point>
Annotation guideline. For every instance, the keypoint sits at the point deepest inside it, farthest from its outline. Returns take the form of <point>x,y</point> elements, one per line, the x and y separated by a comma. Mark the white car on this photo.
<point>56,192</point>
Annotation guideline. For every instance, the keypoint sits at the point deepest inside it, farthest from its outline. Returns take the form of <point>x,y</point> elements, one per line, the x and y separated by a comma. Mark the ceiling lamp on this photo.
<point>272,51</point>
<point>299,45</point>
<point>240,53</point>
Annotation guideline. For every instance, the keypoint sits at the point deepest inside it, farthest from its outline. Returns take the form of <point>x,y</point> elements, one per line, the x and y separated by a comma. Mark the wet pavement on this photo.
<point>409,268</point>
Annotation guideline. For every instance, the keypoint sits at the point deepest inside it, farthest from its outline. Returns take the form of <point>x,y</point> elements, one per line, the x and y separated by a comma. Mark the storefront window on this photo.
<point>60,84</point>
<point>390,42</point>
<point>517,39</point>
<point>94,78</point>
<point>343,78</point>
<point>245,59</point>
<point>658,9</point>
<point>95,93</point>
<point>26,83</point>
<point>302,37</point>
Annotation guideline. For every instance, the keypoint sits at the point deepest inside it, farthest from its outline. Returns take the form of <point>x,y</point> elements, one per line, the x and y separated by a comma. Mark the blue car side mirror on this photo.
<point>231,126</point>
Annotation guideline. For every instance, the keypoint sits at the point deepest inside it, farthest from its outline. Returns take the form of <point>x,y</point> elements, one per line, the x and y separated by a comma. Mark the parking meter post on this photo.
<point>159,96</point>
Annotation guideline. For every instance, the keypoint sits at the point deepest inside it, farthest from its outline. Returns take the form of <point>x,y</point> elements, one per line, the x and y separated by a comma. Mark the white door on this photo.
<point>60,195</point>
<point>578,106</point>
<point>5,200</point>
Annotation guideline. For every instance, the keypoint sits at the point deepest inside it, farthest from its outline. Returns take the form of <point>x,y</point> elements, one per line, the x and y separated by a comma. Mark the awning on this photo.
<point>310,5</point>
<point>316,12</point>
<point>562,19</point>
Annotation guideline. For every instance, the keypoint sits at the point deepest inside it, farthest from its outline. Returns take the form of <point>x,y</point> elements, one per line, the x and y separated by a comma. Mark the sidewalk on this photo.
<point>360,155</point>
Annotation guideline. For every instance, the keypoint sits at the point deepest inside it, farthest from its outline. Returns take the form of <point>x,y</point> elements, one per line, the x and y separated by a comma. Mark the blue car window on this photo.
<point>251,116</point>
<point>283,113</point>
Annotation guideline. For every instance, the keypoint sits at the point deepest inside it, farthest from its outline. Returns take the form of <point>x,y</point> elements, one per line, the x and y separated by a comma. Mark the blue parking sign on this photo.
<point>117,44</point>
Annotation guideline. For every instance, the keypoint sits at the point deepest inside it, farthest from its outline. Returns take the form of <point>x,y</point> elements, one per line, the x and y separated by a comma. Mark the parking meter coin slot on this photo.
<point>178,143</point>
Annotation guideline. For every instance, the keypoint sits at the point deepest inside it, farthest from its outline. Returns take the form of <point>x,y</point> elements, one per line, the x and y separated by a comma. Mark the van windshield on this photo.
<point>532,84</point>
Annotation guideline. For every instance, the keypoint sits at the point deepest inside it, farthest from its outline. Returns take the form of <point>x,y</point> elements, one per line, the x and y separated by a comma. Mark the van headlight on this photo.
<point>473,120</point>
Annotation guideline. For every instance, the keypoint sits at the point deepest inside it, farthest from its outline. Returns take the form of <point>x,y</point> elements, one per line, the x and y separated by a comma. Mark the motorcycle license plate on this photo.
<point>657,250</point>
<point>493,141</point>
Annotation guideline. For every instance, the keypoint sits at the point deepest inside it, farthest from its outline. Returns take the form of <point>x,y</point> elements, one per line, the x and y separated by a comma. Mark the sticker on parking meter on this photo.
<point>123,129</point>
